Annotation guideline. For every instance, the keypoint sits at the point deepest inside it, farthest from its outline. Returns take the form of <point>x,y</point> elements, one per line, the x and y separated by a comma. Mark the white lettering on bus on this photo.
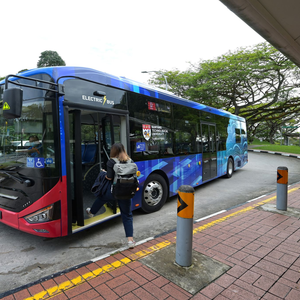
<point>95,99</point>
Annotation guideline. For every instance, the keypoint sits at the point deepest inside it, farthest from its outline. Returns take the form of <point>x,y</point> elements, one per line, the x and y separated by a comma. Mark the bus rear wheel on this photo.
<point>155,193</point>
<point>230,168</point>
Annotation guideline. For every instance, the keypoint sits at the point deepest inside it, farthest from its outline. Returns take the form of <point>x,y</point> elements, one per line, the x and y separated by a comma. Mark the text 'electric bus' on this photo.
<point>57,126</point>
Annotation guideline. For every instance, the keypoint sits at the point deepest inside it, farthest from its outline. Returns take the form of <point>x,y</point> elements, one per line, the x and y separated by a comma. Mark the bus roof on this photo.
<point>122,83</point>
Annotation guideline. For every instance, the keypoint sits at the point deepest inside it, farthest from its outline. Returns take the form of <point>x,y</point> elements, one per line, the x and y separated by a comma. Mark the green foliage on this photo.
<point>88,133</point>
<point>50,58</point>
<point>278,148</point>
<point>260,142</point>
<point>258,83</point>
<point>23,70</point>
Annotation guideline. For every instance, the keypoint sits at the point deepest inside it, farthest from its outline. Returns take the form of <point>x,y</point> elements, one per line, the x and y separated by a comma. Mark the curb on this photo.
<point>276,153</point>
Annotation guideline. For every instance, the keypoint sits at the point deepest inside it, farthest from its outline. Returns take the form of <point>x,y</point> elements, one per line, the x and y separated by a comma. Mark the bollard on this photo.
<point>282,182</point>
<point>185,214</point>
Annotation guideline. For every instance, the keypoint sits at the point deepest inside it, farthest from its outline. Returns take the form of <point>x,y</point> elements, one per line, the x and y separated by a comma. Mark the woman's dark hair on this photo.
<point>118,150</point>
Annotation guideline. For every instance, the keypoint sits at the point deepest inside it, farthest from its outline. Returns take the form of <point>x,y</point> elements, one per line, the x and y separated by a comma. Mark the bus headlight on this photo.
<point>41,216</point>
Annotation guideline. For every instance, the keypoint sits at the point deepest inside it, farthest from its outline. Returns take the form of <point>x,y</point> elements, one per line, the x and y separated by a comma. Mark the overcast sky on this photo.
<point>119,37</point>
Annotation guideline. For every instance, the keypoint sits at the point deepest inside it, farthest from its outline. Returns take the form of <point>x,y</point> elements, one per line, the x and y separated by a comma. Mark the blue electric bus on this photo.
<point>76,114</point>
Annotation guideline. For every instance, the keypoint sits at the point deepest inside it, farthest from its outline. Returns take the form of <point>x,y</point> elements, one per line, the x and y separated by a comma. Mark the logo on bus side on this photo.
<point>147,132</point>
<point>99,100</point>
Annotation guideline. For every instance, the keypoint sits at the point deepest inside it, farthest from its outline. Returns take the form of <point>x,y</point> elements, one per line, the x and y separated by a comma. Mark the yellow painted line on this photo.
<point>149,250</point>
<point>203,227</point>
<point>55,290</point>
<point>88,276</point>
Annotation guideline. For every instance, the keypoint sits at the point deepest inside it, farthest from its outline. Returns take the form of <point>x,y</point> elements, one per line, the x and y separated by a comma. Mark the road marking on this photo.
<point>121,249</point>
<point>209,216</point>
<point>256,198</point>
<point>58,289</point>
<point>201,228</point>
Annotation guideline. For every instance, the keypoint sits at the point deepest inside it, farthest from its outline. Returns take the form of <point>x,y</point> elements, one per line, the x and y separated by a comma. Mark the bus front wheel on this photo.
<point>155,193</point>
<point>230,168</point>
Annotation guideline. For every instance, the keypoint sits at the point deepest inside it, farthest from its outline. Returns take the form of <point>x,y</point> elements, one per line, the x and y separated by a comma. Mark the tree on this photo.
<point>258,83</point>
<point>23,70</point>
<point>50,58</point>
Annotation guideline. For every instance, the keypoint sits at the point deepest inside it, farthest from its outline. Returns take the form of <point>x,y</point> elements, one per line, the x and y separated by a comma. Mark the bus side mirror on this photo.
<point>12,103</point>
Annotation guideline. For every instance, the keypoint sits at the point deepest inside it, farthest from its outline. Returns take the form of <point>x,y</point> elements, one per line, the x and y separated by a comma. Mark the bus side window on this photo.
<point>237,134</point>
<point>186,131</point>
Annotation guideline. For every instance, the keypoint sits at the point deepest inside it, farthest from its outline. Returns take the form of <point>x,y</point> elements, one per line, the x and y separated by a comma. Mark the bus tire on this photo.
<point>230,167</point>
<point>155,193</point>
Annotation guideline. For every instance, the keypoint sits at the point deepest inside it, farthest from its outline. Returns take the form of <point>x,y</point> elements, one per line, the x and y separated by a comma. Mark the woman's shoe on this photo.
<point>131,244</point>
<point>88,211</point>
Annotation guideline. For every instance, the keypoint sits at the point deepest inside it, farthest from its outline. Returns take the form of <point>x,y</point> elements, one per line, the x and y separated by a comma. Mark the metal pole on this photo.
<point>165,77</point>
<point>185,214</point>
<point>162,74</point>
<point>282,182</point>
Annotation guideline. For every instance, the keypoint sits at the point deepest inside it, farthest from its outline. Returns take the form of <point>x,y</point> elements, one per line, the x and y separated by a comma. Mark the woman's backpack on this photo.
<point>125,181</point>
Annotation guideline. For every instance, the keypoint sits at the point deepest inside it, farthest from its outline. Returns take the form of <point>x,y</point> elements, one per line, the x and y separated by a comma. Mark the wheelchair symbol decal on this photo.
<point>39,162</point>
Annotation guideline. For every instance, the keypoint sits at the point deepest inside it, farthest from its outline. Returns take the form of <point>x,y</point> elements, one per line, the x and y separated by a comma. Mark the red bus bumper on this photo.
<point>51,229</point>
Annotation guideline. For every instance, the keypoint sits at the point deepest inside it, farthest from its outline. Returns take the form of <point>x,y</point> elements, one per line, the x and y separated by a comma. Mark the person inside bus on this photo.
<point>35,146</point>
<point>117,151</point>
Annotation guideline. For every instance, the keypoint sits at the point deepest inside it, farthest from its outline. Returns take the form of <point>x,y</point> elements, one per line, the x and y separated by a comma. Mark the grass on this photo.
<point>256,144</point>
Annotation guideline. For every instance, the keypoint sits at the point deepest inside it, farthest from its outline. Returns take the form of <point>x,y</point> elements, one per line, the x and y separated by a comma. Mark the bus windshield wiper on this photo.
<point>18,179</point>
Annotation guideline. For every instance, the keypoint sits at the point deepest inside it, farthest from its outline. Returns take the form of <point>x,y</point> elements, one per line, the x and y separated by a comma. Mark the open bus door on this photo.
<point>88,142</point>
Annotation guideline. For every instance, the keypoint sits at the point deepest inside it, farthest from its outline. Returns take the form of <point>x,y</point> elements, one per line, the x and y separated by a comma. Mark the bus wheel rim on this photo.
<point>153,193</point>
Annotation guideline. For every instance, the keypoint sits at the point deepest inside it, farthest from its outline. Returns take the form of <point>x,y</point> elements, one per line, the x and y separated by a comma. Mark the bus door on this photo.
<point>209,151</point>
<point>92,134</point>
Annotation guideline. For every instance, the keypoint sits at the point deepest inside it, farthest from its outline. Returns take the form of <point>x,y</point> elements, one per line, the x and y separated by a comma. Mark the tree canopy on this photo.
<point>258,83</point>
<point>50,58</point>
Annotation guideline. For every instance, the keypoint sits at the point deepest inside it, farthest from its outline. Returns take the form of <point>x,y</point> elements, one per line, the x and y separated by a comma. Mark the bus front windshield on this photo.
<point>27,144</point>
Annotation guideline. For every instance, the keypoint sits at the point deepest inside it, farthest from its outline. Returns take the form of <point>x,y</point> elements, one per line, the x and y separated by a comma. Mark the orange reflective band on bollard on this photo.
<point>282,176</point>
<point>184,236</point>
<point>282,183</point>
<point>185,205</point>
